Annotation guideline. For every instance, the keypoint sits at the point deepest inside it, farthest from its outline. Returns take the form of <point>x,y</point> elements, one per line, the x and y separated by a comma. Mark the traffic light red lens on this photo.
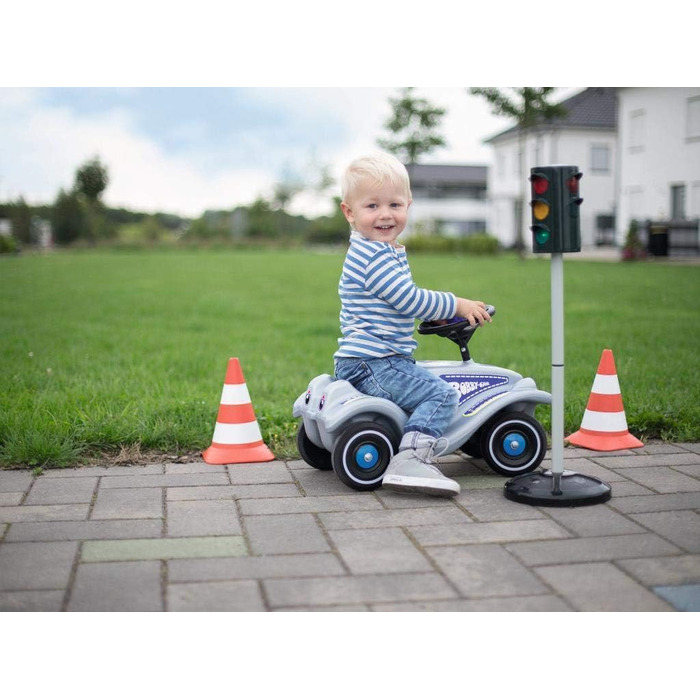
<point>539,185</point>
<point>572,184</point>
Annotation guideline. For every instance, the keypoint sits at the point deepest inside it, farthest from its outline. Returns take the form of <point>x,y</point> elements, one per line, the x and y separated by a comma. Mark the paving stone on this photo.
<point>482,533</point>
<point>31,601</point>
<point>53,491</point>
<point>11,498</point>
<point>132,586</point>
<point>15,480</point>
<point>532,603</point>
<point>600,587</point>
<point>26,514</point>
<point>308,504</point>
<point>647,461</point>
<point>342,590</point>
<point>485,481</point>
<point>206,493</point>
<point>692,447</point>
<point>445,515</point>
<point>263,473</point>
<point>163,480</point>
<point>128,503</point>
<point>315,482</point>
<point>395,500</point>
<point>196,518</point>
<point>329,608</point>
<point>36,565</point>
<point>664,479</point>
<point>490,504</point>
<point>222,596</point>
<point>689,469</point>
<point>132,470</point>
<point>172,548</point>
<point>256,567</point>
<point>378,551</point>
<point>195,468</point>
<point>664,571</point>
<point>680,527</point>
<point>655,503</point>
<point>284,534</point>
<point>85,530</point>
<point>629,488</point>
<point>591,549</point>
<point>593,521</point>
<point>485,571</point>
<point>683,598</point>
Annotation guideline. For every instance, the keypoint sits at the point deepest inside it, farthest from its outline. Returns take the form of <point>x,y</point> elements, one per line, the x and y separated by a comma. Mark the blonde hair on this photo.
<point>379,167</point>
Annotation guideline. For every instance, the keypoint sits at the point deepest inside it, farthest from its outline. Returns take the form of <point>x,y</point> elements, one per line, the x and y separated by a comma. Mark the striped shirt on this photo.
<point>380,302</point>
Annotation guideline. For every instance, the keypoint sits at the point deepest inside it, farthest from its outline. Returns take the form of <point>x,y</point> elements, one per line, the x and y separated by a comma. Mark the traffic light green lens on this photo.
<point>541,236</point>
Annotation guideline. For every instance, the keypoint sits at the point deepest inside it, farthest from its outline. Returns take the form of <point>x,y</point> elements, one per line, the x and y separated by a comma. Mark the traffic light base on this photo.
<point>569,489</point>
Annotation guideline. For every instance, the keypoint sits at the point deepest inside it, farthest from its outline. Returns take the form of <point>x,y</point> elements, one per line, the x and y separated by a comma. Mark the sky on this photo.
<point>185,150</point>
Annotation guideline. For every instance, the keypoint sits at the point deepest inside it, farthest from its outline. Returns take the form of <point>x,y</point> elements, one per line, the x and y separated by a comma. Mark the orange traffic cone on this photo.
<point>604,425</point>
<point>237,435</point>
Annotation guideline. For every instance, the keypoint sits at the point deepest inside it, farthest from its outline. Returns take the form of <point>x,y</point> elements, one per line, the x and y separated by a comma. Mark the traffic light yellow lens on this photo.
<point>540,210</point>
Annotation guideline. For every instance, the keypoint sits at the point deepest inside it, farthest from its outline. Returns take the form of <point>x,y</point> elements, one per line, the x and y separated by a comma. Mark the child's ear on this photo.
<point>347,212</point>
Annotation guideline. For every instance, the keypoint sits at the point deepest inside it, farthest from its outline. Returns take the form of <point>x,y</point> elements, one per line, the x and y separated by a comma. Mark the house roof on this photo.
<point>594,108</point>
<point>447,174</point>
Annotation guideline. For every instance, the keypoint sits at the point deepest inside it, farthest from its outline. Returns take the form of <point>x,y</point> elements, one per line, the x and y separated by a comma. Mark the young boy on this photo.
<point>379,304</point>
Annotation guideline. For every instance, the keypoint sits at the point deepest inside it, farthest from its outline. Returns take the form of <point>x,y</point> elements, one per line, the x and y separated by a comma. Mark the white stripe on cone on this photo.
<point>234,394</point>
<point>236,433</point>
<point>606,384</point>
<point>604,422</point>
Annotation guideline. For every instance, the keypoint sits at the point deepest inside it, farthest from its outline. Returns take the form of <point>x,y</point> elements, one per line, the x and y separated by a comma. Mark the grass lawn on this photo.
<point>102,350</point>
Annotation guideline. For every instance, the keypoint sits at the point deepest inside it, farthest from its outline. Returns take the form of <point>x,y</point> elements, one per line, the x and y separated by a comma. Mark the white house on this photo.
<point>448,199</point>
<point>585,137</point>
<point>659,156</point>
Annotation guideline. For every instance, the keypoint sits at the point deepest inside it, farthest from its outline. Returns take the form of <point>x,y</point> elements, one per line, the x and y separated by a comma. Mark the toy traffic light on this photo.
<point>555,203</point>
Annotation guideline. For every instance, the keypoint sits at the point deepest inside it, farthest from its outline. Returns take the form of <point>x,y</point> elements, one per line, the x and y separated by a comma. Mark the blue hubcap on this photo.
<point>366,456</point>
<point>514,444</point>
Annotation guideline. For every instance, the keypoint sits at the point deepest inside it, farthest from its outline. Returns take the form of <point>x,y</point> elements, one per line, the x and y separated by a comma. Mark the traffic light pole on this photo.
<point>555,229</point>
<point>557,302</point>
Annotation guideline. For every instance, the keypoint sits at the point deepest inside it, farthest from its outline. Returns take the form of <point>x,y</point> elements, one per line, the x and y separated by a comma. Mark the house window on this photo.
<point>600,158</point>
<point>678,201</point>
<point>637,120</point>
<point>693,118</point>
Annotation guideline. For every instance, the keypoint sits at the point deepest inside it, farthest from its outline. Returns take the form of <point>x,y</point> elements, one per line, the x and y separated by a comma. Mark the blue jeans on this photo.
<point>429,401</point>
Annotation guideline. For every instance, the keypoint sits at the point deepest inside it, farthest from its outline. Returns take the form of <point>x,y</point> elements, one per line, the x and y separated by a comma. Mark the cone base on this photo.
<point>604,443</point>
<point>237,455</point>
<point>537,489</point>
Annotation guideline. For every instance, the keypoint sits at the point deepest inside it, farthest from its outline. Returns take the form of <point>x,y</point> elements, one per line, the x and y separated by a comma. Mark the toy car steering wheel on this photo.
<point>452,325</point>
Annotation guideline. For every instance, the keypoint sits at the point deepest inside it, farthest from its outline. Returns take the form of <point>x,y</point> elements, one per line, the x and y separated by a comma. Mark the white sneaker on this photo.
<point>415,471</point>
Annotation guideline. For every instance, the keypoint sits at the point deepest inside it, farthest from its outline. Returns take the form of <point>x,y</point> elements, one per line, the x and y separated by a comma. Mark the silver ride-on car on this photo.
<point>356,435</point>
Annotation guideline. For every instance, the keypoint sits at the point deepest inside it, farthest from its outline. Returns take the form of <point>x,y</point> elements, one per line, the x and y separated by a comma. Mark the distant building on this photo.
<point>659,146</point>
<point>448,199</point>
<point>586,137</point>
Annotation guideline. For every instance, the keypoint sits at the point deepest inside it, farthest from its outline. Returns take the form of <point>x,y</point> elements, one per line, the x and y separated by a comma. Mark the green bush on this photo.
<point>8,245</point>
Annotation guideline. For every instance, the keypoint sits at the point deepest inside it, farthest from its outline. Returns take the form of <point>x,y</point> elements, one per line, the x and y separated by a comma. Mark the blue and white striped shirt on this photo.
<point>380,302</point>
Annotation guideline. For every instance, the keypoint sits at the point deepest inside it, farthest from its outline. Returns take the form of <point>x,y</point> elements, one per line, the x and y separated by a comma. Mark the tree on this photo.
<point>530,108</point>
<point>91,180</point>
<point>413,123</point>
<point>68,217</point>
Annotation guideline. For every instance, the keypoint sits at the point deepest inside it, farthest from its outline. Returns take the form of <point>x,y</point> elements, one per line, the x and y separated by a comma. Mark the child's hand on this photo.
<point>474,311</point>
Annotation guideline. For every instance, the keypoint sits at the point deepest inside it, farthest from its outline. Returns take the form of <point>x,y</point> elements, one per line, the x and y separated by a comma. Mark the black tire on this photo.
<point>361,455</point>
<point>472,447</point>
<point>513,443</point>
<point>316,456</point>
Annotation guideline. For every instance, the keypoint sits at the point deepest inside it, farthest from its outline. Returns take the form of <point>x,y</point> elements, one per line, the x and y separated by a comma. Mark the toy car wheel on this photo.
<point>513,443</point>
<point>316,456</point>
<point>472,447</point>
<point>362,454</point>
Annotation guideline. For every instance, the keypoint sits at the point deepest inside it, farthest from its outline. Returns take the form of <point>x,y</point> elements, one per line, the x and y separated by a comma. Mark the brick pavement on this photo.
<point>282,536</point>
